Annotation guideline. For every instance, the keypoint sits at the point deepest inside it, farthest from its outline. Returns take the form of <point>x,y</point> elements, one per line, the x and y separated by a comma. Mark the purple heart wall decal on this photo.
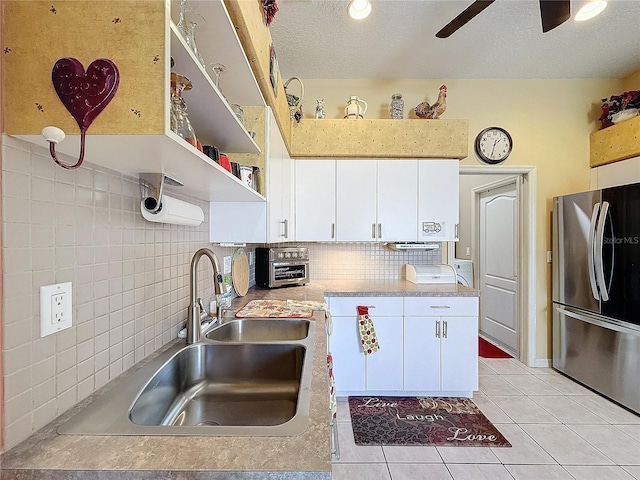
<point>85,94</point>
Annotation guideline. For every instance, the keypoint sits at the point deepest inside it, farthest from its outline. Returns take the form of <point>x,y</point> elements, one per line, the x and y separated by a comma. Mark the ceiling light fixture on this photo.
<point>359,9</point>
<point>590,10</point>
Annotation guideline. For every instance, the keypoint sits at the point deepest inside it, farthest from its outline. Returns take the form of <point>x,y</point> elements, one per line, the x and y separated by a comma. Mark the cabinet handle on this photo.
<point>285,222</point>
<point>333,230</point>
<point>444,329</point>
<point>440,306</point>
<point>379,230</point>
<point>457,234</point>
<point>373,230</point>
<point>438,329</point>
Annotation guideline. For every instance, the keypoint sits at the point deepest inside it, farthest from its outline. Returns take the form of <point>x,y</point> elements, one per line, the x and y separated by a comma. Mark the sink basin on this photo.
<point>209,389</point>
<point>260,330</point>
<point>216,384</point>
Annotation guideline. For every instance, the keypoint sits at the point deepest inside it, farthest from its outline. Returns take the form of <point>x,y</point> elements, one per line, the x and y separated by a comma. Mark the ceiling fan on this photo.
<point>552,13</point>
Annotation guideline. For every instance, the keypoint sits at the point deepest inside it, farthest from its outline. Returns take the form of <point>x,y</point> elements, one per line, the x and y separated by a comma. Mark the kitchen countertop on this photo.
<point>47,455</point>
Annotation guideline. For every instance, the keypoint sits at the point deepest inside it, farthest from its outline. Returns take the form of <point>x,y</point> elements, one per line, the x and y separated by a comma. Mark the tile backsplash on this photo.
<point>130,280</point>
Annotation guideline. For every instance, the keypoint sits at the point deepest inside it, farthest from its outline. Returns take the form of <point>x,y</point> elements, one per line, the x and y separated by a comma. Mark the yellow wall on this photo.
<point>549,120</point>
<point>632,82</point>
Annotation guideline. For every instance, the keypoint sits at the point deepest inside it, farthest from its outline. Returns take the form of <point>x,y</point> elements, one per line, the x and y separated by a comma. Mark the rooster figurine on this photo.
<point>425,110</point>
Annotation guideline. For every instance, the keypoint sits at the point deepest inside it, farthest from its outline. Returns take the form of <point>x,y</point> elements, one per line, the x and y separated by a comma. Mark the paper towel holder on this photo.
<point>152,188</point>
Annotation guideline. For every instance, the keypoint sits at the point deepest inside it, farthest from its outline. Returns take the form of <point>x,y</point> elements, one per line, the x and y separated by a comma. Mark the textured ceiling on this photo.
<point>316,39</point>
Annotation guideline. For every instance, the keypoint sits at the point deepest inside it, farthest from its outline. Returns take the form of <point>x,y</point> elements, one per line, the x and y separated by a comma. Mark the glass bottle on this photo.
<point>191,41</point>
<point>396,107</point>
<point>180,123</point>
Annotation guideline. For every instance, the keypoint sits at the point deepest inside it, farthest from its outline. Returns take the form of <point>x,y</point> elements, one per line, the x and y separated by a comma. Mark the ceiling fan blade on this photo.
<point>554,13</point>
<point>470,12</point>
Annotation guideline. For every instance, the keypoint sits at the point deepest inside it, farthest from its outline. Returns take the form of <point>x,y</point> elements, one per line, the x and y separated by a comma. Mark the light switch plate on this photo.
<point>55,308</point>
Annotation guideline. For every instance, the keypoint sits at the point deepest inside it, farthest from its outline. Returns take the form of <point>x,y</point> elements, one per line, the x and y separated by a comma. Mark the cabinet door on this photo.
<point>279,184</point>
<point>459,357</point>
<point>384,367</point>
<point>397,212</point>
<point>315,205</point>
<point>421,353</point>
<point>348,359</point>
<point>438,214</point>
<point>356,200</point>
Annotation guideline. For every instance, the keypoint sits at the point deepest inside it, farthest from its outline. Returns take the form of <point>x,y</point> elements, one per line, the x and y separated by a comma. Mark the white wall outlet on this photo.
<point>227,265</point>
<point>55,308</point>
<point>252,257</point>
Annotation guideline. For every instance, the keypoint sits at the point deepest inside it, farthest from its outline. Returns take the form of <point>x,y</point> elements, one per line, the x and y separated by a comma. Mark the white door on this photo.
<point>397,200</point>
<point>356,200</point>
<point>499,265</point>
<point>348,359</point>
<point>315,204</point>
<point>422,353</point>
<point>278,185</point>
<point>384,367</point>
<point>438,199</point>
<point>459,357</point>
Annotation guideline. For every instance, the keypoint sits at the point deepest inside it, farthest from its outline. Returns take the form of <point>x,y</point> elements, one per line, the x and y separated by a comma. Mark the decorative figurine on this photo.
<point>425,110</point>
<point>320,109</point>
<point>356,108</point>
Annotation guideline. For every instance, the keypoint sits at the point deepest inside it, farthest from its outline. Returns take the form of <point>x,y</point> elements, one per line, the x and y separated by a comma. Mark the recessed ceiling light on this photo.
<point>359,9</point>
<point>590,10</point>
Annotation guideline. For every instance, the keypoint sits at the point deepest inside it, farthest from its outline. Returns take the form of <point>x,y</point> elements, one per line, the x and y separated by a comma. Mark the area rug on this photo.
<point>441,421</point>
<point>489,350</point>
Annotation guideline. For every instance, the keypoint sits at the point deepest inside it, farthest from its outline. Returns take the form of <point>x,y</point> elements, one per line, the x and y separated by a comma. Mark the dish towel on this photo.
<point>333,403</point>
<point>368,337</point>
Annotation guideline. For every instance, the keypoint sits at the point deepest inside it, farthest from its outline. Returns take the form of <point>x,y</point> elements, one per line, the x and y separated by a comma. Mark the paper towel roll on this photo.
<point>173,211</point>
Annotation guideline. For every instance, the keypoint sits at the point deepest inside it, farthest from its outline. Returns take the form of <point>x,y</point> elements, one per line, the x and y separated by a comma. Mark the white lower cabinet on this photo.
<point>354,371</point>
<point>441,344</point>
<point>428,345</point>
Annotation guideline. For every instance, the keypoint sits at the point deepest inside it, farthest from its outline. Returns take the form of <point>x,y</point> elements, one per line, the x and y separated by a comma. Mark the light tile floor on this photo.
<point>559,431</point>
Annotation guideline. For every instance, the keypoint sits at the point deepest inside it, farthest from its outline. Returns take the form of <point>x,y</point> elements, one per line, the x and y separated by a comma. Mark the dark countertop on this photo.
<point>47,455</point>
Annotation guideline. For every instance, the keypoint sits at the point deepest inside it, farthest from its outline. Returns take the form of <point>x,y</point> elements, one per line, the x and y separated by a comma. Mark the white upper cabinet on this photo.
<point>356,200</point>
<point>315,200</point>
<point>397,200</point>
<point>438,214</point>
<point>280,219</point>
<point>377,200</point>
<point>373,200</point>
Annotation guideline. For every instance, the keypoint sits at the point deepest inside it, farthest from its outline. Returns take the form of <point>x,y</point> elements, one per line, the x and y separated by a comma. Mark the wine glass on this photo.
<point>218,69</point>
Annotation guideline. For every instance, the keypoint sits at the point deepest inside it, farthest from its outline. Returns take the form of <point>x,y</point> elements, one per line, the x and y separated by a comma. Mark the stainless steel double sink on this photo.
<point>248,377</point>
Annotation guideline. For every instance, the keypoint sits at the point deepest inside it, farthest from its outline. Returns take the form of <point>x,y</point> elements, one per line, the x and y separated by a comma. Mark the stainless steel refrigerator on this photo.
<point>596,291</point>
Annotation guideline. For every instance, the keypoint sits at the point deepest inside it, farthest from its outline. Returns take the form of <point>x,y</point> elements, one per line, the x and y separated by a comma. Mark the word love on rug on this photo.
<point>441,421</point>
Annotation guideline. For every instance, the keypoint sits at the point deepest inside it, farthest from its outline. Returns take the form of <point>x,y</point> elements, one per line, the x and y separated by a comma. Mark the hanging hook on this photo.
<point>55,135</point>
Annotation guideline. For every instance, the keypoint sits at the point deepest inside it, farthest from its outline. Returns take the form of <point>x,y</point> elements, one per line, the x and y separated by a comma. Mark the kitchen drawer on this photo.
<point>441,306</point>
<point>346,306</point>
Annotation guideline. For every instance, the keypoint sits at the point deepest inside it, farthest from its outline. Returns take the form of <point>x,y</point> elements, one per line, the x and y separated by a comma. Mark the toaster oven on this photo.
<point>282,266</point>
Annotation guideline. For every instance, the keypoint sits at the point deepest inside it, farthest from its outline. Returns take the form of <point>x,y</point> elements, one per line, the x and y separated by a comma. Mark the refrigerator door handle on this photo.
<point>602,283</point>
<point>595,321</point>
<point>592,252</point>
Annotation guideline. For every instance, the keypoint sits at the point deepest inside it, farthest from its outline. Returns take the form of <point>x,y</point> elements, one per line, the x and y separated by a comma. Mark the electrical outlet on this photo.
<point>252,257</point>
<point>227,265</point>
<point>55,308</point>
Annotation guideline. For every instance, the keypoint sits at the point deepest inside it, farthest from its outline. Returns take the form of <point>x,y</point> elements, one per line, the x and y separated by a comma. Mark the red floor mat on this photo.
<point>489,350</point>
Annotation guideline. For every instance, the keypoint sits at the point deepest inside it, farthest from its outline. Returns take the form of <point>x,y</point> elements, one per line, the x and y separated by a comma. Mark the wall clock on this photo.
<point>493,145</point>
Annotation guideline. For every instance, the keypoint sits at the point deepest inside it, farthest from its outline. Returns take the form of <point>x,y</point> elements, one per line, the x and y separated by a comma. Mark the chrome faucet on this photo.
<point>193,316</point>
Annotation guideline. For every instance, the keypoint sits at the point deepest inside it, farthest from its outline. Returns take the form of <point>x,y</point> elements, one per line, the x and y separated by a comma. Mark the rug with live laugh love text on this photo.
<point>440,421</point>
